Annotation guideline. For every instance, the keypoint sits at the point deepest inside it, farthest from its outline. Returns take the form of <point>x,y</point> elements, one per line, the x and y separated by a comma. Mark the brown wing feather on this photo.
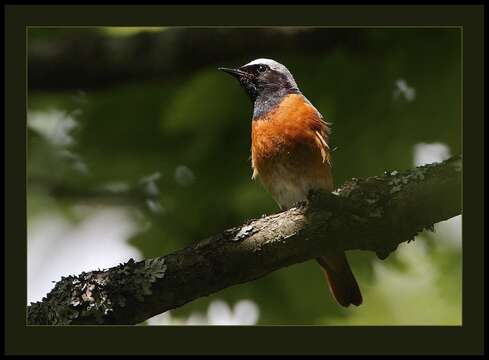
<point>323,147</point>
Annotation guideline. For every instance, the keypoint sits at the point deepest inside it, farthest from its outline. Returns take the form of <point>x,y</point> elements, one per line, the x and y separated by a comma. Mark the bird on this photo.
<point>290,153</point>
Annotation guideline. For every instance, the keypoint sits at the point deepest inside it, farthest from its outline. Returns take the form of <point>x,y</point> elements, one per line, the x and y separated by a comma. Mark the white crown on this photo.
<point>274,66</point>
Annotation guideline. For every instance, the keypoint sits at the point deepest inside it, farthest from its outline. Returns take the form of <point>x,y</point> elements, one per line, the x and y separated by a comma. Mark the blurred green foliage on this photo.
<point>194,130</point>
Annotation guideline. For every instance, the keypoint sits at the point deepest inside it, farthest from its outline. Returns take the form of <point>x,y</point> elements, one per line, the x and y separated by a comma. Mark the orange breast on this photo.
<point>289,151</point>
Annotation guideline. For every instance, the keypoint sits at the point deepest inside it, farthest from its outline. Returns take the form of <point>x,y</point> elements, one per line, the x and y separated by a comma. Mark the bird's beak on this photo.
<point>234,72</point>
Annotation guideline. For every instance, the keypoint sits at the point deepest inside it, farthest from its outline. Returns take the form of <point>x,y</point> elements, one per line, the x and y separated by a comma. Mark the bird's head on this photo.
<point>263,78</point>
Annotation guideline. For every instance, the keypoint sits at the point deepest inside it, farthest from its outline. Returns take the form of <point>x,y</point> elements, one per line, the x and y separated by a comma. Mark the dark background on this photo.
<point>110,107</point>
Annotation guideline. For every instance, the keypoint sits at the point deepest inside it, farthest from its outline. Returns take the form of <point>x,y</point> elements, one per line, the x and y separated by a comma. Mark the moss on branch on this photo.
<point>375,214</point>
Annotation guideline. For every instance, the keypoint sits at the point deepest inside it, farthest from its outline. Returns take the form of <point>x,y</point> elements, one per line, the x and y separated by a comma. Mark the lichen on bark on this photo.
<point>375,214</point>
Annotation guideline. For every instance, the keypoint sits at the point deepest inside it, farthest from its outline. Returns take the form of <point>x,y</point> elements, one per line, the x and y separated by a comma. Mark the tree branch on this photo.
<point>375,214</point>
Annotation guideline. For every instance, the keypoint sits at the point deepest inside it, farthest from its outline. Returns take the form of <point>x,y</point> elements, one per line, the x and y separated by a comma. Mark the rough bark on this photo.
<point>375,214</point>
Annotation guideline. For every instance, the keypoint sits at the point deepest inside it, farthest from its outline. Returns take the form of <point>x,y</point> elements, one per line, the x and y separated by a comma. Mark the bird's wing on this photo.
<point>321,131</point>
<point>323,147</point>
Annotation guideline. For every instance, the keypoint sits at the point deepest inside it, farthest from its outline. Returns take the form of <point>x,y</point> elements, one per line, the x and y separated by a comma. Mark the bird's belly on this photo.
<point>290,172</point>
<point>287,192</point>
<point>286,185</point>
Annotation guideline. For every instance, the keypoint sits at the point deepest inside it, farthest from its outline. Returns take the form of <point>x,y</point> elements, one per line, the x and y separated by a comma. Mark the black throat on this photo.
<point>266,101</point>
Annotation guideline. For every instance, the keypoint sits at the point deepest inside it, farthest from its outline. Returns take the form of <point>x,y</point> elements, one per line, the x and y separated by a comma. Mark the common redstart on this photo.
<point>290,153</point>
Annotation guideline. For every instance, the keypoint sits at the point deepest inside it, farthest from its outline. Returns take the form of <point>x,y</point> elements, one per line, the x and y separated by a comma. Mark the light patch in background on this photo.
<point>154,206</point>
<point>56,127</point>
<point>151,190</point>
<point>407,296</point>
<point>57,247</point>
<point>76,161</point>
<point>448,232</point>
<point>245,312</point>
<point>425,153</point>
<point>184,176</point>
<point>53,125</point>
<point>402,89</point>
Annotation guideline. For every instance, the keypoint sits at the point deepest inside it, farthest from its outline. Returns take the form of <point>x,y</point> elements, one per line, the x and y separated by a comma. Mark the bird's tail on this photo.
<point>341,279</point>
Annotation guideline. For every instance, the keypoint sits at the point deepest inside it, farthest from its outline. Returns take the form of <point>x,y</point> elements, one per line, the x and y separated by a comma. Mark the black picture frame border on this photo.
<point>465,339</point>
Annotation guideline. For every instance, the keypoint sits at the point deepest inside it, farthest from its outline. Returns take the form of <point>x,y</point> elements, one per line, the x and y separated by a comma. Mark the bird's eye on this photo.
<point>262,68</point>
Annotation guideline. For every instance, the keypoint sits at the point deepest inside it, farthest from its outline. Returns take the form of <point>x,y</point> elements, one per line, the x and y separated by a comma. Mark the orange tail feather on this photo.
<point>341,279</point>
